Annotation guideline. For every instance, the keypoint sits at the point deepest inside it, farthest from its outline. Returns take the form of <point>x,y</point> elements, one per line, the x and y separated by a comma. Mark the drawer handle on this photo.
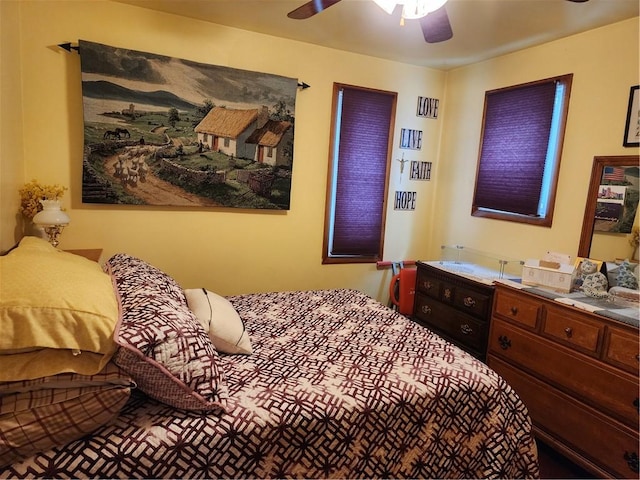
<point>426,309</point>
<point>632,460</point>
<point>427,285</point>
<point>466,329</point>
<point>568,332</point>
<point>447,293</point>
<point>504,342</point>
<point>469,302</point>
<point>514,311</point>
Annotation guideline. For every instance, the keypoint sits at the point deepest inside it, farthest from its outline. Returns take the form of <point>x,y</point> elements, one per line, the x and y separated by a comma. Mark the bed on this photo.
<point>306,384</point>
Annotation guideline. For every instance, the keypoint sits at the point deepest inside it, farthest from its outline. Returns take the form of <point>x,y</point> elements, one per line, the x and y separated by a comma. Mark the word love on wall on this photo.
<point>427,107</point>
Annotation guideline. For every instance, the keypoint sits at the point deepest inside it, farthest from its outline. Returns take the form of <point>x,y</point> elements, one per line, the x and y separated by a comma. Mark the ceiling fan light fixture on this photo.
<point>387,5</point>
<point>411,9</point>
<point>420,8</point>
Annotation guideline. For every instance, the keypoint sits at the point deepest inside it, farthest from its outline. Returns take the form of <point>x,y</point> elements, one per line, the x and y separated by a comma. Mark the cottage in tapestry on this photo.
<point>248,134</point>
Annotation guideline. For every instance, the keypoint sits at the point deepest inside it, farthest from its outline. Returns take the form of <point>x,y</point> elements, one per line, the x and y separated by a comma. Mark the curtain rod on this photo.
<point>68,47</point>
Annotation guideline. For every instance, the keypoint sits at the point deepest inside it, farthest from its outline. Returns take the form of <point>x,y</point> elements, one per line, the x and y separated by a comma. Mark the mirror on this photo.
<point>611,209</point>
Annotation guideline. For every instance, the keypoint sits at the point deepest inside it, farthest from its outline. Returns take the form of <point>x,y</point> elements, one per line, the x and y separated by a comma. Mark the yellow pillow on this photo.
<point>57,310</point>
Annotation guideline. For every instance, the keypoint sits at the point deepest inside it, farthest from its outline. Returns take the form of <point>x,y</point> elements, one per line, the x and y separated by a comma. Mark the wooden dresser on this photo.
<point>455,307</point>
<point>577,373</point>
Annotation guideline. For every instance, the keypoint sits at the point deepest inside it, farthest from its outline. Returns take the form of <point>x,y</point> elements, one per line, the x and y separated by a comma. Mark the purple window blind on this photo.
<point>517,126</point>
<point>361,173</point>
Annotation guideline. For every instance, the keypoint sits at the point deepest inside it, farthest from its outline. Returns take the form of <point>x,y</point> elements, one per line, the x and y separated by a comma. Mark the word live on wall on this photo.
<point>411,139</point>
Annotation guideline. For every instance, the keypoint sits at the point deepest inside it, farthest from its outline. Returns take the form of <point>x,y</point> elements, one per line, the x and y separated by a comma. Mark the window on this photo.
<point>521,144</point>
<point>359,160</point>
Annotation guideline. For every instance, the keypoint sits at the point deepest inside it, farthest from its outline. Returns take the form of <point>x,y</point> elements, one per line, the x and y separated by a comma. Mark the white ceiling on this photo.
<point>482,29</point>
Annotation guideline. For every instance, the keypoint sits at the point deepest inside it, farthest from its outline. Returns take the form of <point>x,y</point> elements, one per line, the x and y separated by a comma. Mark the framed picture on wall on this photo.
<point>632,127</point>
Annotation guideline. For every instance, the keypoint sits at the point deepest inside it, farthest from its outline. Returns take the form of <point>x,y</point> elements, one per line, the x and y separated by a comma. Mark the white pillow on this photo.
<point>220,320</point>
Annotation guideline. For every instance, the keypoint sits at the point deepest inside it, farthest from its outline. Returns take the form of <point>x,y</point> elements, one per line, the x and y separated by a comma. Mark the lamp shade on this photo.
<point>411,9</point>
<point>420,8</point>
<point>51,214</point>
<point>387,5</point>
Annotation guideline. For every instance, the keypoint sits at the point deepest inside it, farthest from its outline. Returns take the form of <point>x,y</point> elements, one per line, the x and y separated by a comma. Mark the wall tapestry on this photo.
<point>165,131</point>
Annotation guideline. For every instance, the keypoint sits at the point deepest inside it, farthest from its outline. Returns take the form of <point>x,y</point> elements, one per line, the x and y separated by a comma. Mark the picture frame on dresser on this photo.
<point>579,273</point>
<point>580,260</point>
<point>632,125</point>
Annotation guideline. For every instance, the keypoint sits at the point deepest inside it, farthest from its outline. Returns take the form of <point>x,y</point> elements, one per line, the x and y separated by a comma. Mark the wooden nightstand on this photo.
<point>90,253</point>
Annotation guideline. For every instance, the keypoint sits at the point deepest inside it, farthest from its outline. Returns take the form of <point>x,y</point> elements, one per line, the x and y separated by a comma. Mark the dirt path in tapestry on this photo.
<point>149,188</point>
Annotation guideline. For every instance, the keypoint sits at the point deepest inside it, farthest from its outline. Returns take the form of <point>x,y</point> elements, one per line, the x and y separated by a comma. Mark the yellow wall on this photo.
<point>11,148</point>
<point>232,251</point>
<point>604,63</point>
<point>225,250</point>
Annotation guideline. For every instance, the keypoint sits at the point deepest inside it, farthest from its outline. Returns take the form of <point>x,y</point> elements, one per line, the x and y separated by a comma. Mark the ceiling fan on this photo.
<point>432,14</point>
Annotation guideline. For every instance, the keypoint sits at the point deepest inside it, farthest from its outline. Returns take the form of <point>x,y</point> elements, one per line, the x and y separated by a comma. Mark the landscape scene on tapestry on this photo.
<point>166,131</point>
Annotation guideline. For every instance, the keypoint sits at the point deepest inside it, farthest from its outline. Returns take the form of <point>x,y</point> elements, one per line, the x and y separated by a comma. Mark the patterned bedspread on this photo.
<point>338,386</point>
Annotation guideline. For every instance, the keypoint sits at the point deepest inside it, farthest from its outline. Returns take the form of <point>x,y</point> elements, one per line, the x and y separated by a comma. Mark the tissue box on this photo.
<point>558,279</point>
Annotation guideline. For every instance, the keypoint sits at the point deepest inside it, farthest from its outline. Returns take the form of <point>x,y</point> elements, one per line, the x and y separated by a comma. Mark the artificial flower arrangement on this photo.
<point>33,192</point>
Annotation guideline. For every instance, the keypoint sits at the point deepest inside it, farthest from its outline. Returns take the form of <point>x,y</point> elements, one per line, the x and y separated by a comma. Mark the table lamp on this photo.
<point>52,219</point>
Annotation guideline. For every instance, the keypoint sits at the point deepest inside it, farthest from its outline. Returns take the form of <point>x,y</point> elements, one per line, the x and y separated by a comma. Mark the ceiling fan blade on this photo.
<point>436,27</point>
<point>309,9</point>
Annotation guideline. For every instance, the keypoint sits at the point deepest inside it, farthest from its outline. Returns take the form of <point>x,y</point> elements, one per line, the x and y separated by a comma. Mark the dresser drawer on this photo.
<point>605,387</point>
<point>573,329</point>
<point>472,302</point>
<point>519,309</point>
<point>427,284</point>
<point>585,430</point>
<point>426,309</point>
<point>622,349</point>
<point>468,331</point>
<point>447,292</point>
